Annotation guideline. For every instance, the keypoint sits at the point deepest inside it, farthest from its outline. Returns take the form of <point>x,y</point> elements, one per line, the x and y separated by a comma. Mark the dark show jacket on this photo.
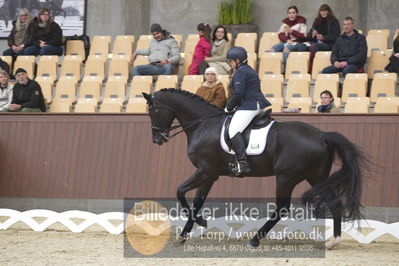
<point>245,86</point>
<point>28,96</point>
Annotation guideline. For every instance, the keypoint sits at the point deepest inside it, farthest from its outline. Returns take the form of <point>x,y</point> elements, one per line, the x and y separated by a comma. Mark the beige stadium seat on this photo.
<point>377,62</point>
<point>355,85</point>
<point>144,41</point>
<point>247,41</point>
<point>137,105</point>
<point>321,61</point>
<point>192,82</point>
<point>266,42</point>
<point>85,107</point>
<point>298,86</point>
<point>384,32</point>
<point>188,58</point>
<point>384,85</point>
<point>7,59</point>
<point>166,81</point>
<point>54,58</point>
<point>272,86</point>
<point>60,107</point>
<point>27,62</point>
<point>140,84</point>
<point>125,37</point>
<point>71,68</point>
<point>297,63</point>
<point>226,80</point>
<point>75,47</point>
<point>252,60</point>
<point>386,107</point>
<point>270,63</point>
<point>326,82</point>
<point>95,68</point>
<point>47,69</point>
<point>111,106</point>
<point>357,105</point>
<point>376,42</point>
<point>66,91</point>
<point>119,68</point>
<point>123,47</point>
<point>178,38</point>
<point>305,103</point>
<point>141,60</point>
<point>90,90</point>
<point>47,88</point>
<point>73,58</point>
<point>115,89</point>
<point>100,46</point>
<point>190,44</point>
<point>277,104</point>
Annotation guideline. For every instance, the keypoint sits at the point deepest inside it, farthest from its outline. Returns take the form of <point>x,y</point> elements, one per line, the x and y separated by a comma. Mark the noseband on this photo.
<point>164,132</point>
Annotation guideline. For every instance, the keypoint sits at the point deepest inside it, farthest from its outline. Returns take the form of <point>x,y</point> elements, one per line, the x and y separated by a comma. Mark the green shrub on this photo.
<point>235,12</point>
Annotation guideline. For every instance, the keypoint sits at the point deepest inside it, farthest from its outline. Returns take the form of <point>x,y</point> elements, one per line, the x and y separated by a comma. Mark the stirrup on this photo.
<point>239,169</point>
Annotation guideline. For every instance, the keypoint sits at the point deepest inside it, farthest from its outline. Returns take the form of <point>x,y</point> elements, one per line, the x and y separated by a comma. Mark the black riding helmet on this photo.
<point>237,53</point>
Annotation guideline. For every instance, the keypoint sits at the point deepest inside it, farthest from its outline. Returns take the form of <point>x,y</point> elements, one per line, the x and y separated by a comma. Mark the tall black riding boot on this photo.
<point>238,145</point>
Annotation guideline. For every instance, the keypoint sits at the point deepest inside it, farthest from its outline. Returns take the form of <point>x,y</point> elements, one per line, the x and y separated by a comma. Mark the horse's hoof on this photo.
<point>333,243</point>
<point>254,242</point>
<point>179,241</point>
<point>201,221</point>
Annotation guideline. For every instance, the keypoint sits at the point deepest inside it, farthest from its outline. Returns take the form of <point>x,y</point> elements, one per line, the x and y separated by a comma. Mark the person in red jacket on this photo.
<point>292,34</point>
<point>202,49</point>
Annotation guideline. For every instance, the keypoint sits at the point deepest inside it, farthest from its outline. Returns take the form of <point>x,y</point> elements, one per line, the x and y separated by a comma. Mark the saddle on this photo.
<point>262,120</point>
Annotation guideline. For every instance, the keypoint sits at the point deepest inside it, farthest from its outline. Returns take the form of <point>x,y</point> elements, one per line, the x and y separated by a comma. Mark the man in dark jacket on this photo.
<point>27,94</point>
<point>350,51</point>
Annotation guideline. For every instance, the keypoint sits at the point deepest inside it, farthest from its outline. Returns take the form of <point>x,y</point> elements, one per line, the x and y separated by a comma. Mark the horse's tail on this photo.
<point>347,182</point>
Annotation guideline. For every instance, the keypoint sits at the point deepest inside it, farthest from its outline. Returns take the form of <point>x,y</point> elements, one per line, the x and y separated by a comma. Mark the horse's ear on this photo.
<point>147,97</point>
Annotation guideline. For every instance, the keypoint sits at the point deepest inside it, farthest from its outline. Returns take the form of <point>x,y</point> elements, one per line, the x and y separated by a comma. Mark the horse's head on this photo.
<point>161,119</point>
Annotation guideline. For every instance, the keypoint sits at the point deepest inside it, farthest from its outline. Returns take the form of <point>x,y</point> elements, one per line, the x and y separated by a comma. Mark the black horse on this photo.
<point>295,152</point>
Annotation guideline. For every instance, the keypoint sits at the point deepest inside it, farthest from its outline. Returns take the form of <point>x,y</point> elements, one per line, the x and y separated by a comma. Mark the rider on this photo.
<point>248,101</point>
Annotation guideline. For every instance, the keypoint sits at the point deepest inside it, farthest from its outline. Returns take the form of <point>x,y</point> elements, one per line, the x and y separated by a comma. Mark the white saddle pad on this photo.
<point>257,140</point>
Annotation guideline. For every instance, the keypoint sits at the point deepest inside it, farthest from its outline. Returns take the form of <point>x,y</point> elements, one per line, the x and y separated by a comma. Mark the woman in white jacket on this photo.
<point>5,91</point>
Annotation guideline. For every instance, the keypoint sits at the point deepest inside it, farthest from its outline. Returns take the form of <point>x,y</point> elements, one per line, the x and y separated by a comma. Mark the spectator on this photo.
<point>212,90</point>
<point>350,51</point>
<point>22,35</point>
<point>220,46</point>
<point>4,66</point>
<point>325,30</point>
<point>48,38</point>
<point>163,53</point>
<point>292,34</point>
<point>393,65</point>
<point>27,94</point>
<point>202,49</point>
<point>5,91</point>
<point>327,103</point>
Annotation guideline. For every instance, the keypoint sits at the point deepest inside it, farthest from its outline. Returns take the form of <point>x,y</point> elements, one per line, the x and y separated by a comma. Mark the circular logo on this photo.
<point>148,227</point>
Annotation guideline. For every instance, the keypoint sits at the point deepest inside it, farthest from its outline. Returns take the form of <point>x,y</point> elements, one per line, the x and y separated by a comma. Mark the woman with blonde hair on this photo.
<point>212,89</point>
<point>22,35</point>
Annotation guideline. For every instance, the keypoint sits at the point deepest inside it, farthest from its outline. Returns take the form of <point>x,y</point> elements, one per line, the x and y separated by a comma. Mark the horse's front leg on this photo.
<point>203,183</point>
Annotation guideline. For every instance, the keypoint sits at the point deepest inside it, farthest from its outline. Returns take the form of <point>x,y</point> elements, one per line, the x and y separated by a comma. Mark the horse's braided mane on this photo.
<point>192,95</point>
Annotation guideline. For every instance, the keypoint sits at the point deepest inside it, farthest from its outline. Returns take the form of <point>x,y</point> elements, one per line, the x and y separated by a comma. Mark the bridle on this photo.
<point>164,132</point>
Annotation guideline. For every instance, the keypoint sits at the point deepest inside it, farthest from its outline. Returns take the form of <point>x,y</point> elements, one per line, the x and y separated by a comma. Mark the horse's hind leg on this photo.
<point>283,200</point>
<point>335,206</point>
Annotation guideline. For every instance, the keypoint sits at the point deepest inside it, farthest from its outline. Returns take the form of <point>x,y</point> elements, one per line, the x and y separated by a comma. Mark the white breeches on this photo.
<point>241,120</point>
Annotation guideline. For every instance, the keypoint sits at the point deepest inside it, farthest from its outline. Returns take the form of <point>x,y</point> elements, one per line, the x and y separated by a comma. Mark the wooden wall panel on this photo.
<point>112,156</point>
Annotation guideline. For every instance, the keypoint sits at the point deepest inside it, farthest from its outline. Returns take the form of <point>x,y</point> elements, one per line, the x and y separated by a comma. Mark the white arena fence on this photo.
<point>104,220</point>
